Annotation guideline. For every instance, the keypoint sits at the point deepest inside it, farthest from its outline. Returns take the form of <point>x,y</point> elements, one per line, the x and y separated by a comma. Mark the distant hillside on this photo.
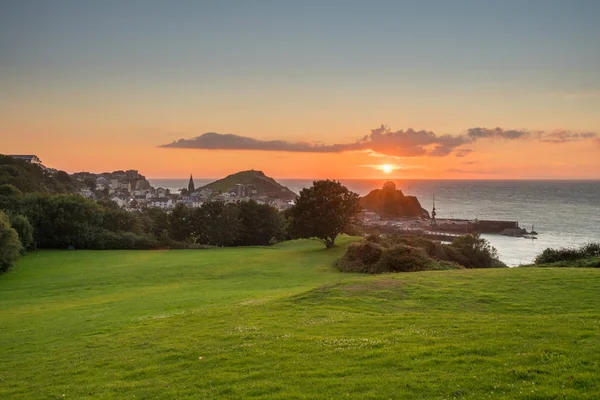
<point>265,185</point>
<point>33,178</point>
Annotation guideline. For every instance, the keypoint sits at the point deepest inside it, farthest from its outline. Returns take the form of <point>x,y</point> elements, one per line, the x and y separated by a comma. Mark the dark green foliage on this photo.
<point>70,221</point>
<point>32,178</point>
<point>323,211</point>
<point>475,252</point>
<point>402,258</point>
<point>10,246</point>
<point>181,222</point>
<point>24,229</point>
<point>261,224</point>
<point>116,219</point>
<point>360,257</point>
<point>155,222</point>
<point>470,251</point>
<point>372,258</point>
<point>9,190</point>
<point>414,253</point>
<point>216,223</point>
<point>568,254</point>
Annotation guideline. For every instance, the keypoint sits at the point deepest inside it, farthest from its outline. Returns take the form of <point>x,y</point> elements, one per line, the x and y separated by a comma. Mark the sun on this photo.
<point>387,168</point>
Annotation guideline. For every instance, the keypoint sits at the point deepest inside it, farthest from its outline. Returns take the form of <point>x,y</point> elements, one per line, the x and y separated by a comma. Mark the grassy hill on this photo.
<point>264,184</point>
<point>281,323</point>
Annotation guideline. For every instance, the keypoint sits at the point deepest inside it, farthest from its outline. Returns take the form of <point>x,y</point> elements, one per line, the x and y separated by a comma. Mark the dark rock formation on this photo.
<point>389,202</point>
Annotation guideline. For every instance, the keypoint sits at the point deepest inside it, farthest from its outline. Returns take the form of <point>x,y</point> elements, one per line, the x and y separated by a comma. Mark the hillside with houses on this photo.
<point>131,190</point>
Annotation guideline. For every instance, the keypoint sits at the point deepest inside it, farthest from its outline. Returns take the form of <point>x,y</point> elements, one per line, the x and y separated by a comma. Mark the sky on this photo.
<point>311,89</point>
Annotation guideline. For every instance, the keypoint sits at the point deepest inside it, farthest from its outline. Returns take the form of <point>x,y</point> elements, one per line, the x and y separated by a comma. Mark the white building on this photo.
<point>122,203</point>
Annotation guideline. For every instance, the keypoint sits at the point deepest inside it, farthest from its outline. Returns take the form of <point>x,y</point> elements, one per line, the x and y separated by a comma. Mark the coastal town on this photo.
<point>385,210</point>
<point>131,190</point>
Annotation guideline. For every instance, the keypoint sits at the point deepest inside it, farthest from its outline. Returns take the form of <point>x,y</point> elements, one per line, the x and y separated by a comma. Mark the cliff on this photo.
<point>389,202</point>
<point>265,185</point>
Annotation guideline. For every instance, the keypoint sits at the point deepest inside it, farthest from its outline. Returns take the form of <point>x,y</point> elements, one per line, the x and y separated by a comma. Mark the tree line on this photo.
<point>61,221</point>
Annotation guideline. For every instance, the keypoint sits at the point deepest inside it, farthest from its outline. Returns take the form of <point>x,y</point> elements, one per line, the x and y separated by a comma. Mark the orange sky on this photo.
<point>92,86</point>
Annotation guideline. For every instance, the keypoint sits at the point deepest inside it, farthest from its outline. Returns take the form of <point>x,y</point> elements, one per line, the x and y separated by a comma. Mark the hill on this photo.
<point>280,322</point>
<point>33,178</point>
<point>264,185</point>
<point>388,202</point>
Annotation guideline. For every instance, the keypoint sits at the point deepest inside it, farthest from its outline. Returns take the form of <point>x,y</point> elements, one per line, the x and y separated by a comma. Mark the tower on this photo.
<point>191,187</point>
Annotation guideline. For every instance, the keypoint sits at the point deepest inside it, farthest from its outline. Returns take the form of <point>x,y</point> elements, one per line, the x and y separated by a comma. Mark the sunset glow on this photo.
<point>387,168</point>
<point>295,93</point>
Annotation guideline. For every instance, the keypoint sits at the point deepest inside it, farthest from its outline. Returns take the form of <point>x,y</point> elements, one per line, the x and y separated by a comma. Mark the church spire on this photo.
<point>191,187</point>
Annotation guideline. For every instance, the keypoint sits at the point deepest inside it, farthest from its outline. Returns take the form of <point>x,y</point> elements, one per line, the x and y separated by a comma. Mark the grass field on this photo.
<point>281,323</point>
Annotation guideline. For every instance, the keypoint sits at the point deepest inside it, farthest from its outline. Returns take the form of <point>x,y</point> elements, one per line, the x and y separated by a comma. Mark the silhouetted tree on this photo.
<point>322,211</point>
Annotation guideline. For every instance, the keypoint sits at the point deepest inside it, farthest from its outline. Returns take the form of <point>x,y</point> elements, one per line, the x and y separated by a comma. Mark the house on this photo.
<point>161,203</point>
<point>114,183</point>
<point>32,159</point>
<point>87,193</point>
<point>162,192</point>
<point>120,202</point>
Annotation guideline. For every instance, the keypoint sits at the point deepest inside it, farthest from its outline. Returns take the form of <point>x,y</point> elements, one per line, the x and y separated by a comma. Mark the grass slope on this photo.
<point>282,323</point>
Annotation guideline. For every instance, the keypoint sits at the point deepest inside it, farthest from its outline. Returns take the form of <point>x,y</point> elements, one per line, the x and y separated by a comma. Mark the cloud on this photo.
<point>463,152</point>
<point>218,141</point>
<point>498,133</point>
<point>382,142</point>
<point>564,136</point>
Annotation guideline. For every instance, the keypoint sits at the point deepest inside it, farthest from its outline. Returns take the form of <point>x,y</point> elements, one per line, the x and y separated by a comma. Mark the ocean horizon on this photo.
<point>565,213</point>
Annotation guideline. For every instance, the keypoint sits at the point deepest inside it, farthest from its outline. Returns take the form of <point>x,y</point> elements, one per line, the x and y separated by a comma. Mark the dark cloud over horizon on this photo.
<point>382,141</point>
<point>563,136</point>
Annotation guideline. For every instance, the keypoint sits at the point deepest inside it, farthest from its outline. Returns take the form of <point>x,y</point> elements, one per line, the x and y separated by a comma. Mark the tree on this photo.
<point>10,246</point>
<point>261,224</point>
<point>322,211</point>
<point>24,229</point>
<point>181,223</point>
<point>216,223</point>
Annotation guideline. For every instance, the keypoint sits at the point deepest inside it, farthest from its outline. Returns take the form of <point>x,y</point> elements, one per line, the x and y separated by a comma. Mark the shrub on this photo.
<point>468,251</point>
<point>24,229</point>
<point>360,257</point>
<point>402,258</point>
<point>476,252</point>
<point>591,249</point>
<point>565,254</point>
<point>10,245</point>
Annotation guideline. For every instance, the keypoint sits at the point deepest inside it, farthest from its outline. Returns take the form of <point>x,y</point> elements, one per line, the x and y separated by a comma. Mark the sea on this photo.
<point>565,213</point>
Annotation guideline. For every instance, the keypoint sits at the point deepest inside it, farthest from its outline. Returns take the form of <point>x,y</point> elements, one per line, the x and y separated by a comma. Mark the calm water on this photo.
<point>565,213</point>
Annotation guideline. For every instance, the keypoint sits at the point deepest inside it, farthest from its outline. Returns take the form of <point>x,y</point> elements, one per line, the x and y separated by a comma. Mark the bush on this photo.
<point>564,254</point>
<point>24,229</point>
<point>360,257</point>
<point>402,258</point>
<point>373,258</point>
<point>476,252</point>
<point>10,245</point>
<point>468,251</point>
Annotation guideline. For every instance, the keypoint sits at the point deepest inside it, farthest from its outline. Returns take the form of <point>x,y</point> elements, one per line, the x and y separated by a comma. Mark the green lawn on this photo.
<point>281,323</point>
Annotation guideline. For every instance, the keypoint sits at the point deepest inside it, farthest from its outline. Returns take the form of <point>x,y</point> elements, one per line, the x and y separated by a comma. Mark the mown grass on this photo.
<point>282,323</point>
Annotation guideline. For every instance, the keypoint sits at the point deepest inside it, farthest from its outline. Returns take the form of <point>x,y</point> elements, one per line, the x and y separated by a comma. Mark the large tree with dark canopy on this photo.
<point>322,211</point>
